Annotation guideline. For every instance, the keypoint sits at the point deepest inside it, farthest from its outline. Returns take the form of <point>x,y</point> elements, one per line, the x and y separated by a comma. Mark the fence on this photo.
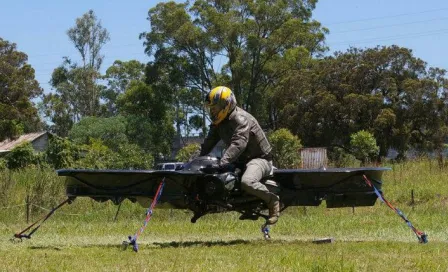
<point>313,158</point>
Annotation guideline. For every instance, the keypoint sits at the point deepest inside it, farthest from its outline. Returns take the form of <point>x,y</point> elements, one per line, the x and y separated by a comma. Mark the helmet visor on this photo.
<point>212,110</point>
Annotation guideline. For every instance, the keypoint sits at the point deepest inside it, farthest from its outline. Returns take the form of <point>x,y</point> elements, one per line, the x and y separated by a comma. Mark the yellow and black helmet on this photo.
<point>219,102</point>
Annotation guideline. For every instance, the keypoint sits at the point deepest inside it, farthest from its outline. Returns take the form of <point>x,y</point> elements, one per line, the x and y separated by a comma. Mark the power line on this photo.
<point>384,17</point>
<point>336,23</point>
<point>377,39</point>
<point>387,38</point>
<point>396,37</point>
<point>108,47</point>
<point>386,26</point>
<point>409,35</point>
<point>103,64</point>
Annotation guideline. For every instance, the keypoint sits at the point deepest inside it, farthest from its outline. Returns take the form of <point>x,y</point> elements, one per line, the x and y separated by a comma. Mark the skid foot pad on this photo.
<point>423,239</point>
<point>132,241</point>
<point>265,231</point>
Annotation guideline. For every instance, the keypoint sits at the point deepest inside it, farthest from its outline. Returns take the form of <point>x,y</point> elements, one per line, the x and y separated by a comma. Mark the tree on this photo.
<point>169,73</point>
<point>61,153</point>
<point>149,121</point>
<point>88,37</point>
<point>383,129</point>
<point>363,145</point>
<point>285,148</point>
<point>261,40</point>
<point>119,76</point>
<point>59,112</point>
<point>385,90</point>
<point>111,131</point>
<point>77,89</point>
<point>17,89</point>
<point>253,39</point>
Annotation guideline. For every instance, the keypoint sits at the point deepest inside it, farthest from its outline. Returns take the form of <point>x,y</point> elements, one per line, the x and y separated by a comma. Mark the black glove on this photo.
<point>226,167</point>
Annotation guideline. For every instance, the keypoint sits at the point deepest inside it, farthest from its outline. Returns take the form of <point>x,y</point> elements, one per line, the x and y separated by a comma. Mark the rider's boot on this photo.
<point>274,210</point>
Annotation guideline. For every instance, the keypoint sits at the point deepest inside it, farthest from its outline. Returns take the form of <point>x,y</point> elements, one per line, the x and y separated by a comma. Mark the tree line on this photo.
<point>272,54</point>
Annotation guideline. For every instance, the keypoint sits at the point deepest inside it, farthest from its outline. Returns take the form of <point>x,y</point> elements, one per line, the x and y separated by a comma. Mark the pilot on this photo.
<point>246,143</point>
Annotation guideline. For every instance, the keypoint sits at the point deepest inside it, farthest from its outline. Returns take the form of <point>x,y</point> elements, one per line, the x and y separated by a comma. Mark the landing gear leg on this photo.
<point>196,216</point>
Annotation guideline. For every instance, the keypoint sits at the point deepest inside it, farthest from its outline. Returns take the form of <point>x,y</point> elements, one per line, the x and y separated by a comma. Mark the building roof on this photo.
<point>182,141</point>
<point>192,140</point>
<point>7,145</point>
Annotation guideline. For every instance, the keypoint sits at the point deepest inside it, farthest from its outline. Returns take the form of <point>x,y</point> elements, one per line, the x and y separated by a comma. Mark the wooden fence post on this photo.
<point>27,207</point>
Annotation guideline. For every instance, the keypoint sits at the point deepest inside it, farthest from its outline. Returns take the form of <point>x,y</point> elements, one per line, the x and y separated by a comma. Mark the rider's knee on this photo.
<point>248,181</point>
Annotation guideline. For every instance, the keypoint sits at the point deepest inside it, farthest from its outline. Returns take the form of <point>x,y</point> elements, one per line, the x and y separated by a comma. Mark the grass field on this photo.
<point>84,237</point>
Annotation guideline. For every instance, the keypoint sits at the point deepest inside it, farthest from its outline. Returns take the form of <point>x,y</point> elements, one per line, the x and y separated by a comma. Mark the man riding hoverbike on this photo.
<point>246,144</point>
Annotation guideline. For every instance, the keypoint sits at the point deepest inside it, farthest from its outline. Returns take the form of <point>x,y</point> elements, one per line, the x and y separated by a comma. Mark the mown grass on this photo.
<point>84,237</point>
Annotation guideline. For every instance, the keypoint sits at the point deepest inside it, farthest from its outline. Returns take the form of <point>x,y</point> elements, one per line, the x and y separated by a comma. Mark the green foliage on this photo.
<point>385,90</point>
<point>340,158</point>
<point>363,146</point>
<point>383,127</point>
<point>131,156</point>
<point>96,156</point>
<point>40,186</point>
<point>285,148</point>
<point>111,131</point>
<point>17,88</point>
<point>3,164</point>
<point>149,122</point>
<point>196,122</point>
<point>119,77</point>
<point>88,36</point>
<point>21,156</point>
<point>11,128</point>
<point>187,152</point>
<point>77,96</point>
<point>260,41</point>
<point>142,100</point>
<point>59,111</point>
<point>77,88</point>
<point>61,153</point>
<point>127,156</point>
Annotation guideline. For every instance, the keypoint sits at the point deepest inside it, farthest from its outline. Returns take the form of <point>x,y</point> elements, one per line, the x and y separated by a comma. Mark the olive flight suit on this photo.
<point>246,143</point>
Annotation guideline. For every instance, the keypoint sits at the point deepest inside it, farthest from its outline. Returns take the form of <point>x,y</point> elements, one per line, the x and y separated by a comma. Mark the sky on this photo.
<point>39,28</point>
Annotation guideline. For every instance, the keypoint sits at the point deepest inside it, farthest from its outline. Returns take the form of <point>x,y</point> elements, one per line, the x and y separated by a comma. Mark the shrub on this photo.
<point>128,156</point>
<point>61,153</point>
<point>131,156</point>
<point>285,148</point>
<point>188,152</point>
<point>21,156</point>
<point>363,145</point>
<point>96,156</point>
<point>341,158</point>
